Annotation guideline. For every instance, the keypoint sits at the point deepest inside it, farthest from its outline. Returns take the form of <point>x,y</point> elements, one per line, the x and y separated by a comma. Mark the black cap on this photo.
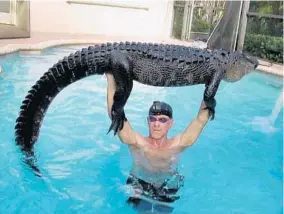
<point>161,108</point>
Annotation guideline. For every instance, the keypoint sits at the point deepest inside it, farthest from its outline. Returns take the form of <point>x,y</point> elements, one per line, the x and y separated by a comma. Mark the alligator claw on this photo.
<point>117,121</point>
<point>211,112</point>
<point>210,105</point>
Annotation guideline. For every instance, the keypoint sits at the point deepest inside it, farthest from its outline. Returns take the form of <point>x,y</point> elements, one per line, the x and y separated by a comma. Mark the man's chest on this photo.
<point>155,158</point>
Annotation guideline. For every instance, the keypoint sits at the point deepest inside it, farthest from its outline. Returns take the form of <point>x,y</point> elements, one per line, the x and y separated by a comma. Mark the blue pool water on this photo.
<point>234,167</point>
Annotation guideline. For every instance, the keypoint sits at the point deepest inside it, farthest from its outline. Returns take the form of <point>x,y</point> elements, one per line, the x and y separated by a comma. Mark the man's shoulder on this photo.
<point>140,140</point>
<point>140,136</point>
<point>176,138</point>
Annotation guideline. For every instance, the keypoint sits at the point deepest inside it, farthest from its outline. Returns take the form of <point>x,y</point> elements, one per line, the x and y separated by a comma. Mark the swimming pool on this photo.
<point>235,166</point>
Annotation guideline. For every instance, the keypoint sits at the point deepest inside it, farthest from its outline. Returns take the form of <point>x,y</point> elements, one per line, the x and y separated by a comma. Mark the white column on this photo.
<point>243,25</point>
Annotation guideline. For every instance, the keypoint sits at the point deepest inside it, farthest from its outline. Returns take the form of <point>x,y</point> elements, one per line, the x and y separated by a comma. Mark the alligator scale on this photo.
<point>151,64</point>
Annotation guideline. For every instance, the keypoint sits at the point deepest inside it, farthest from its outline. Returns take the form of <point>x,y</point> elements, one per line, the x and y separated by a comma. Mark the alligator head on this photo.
<point>238,65</point>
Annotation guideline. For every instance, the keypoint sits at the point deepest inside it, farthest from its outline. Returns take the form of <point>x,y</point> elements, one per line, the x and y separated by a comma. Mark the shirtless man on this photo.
<point>154,170</point>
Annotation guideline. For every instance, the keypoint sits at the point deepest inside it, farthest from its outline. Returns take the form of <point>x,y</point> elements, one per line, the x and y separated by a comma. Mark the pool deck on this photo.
<point>39,41</point>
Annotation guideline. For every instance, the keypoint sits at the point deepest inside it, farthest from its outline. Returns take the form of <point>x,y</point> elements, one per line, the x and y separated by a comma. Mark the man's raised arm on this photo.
<point>193,130</point>
<point>126,135</point>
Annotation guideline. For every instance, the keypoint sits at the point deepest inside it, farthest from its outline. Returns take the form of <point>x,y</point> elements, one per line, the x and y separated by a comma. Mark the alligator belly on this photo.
<point>166,76</point>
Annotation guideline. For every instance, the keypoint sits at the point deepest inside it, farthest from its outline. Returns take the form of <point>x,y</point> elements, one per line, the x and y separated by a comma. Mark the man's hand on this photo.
<point>203,114</point>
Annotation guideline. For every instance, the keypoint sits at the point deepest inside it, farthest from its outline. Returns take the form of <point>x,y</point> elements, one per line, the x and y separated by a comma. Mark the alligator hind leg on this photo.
<point>121,69</point>
<point>210,92</point>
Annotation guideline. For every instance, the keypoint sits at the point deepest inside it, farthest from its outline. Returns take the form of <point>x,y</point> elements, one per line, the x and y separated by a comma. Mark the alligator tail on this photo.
<point>88,61</point>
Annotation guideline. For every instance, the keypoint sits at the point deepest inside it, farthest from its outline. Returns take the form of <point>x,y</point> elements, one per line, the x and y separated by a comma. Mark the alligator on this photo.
<point>161,65</point>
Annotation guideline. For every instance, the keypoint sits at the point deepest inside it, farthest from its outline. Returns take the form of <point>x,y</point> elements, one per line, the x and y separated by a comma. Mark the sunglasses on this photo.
<point>161,119</point>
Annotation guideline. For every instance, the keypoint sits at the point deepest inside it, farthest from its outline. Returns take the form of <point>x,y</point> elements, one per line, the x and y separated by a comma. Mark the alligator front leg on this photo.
<point>121,68</point>
<point>210,92</point>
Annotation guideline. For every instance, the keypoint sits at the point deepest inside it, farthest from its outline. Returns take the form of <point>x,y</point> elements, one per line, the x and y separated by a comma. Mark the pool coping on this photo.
<point>35,48</point>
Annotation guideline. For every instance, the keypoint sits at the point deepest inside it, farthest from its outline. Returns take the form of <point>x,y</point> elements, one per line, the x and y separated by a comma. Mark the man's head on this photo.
<point>160,119</point>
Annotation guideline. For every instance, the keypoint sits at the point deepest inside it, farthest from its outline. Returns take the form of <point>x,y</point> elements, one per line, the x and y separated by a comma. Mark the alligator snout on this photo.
<point>252,60</point>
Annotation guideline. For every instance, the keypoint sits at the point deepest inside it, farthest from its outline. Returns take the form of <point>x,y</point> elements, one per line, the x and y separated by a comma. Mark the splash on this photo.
<point>277,108</point>
<point>266,124</point>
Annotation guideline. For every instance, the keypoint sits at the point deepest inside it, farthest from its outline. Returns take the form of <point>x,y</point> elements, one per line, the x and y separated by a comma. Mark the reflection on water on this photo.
<point>263,124</point>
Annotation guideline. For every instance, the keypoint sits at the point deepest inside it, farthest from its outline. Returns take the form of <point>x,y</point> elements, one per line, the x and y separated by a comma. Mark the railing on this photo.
<point>107,4</point>
<point>14,19</point>
<point>266,24</point>
<point>265,18</point>
<point>194,19</point>
<point>8,12</point>
<point>264,31</point>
